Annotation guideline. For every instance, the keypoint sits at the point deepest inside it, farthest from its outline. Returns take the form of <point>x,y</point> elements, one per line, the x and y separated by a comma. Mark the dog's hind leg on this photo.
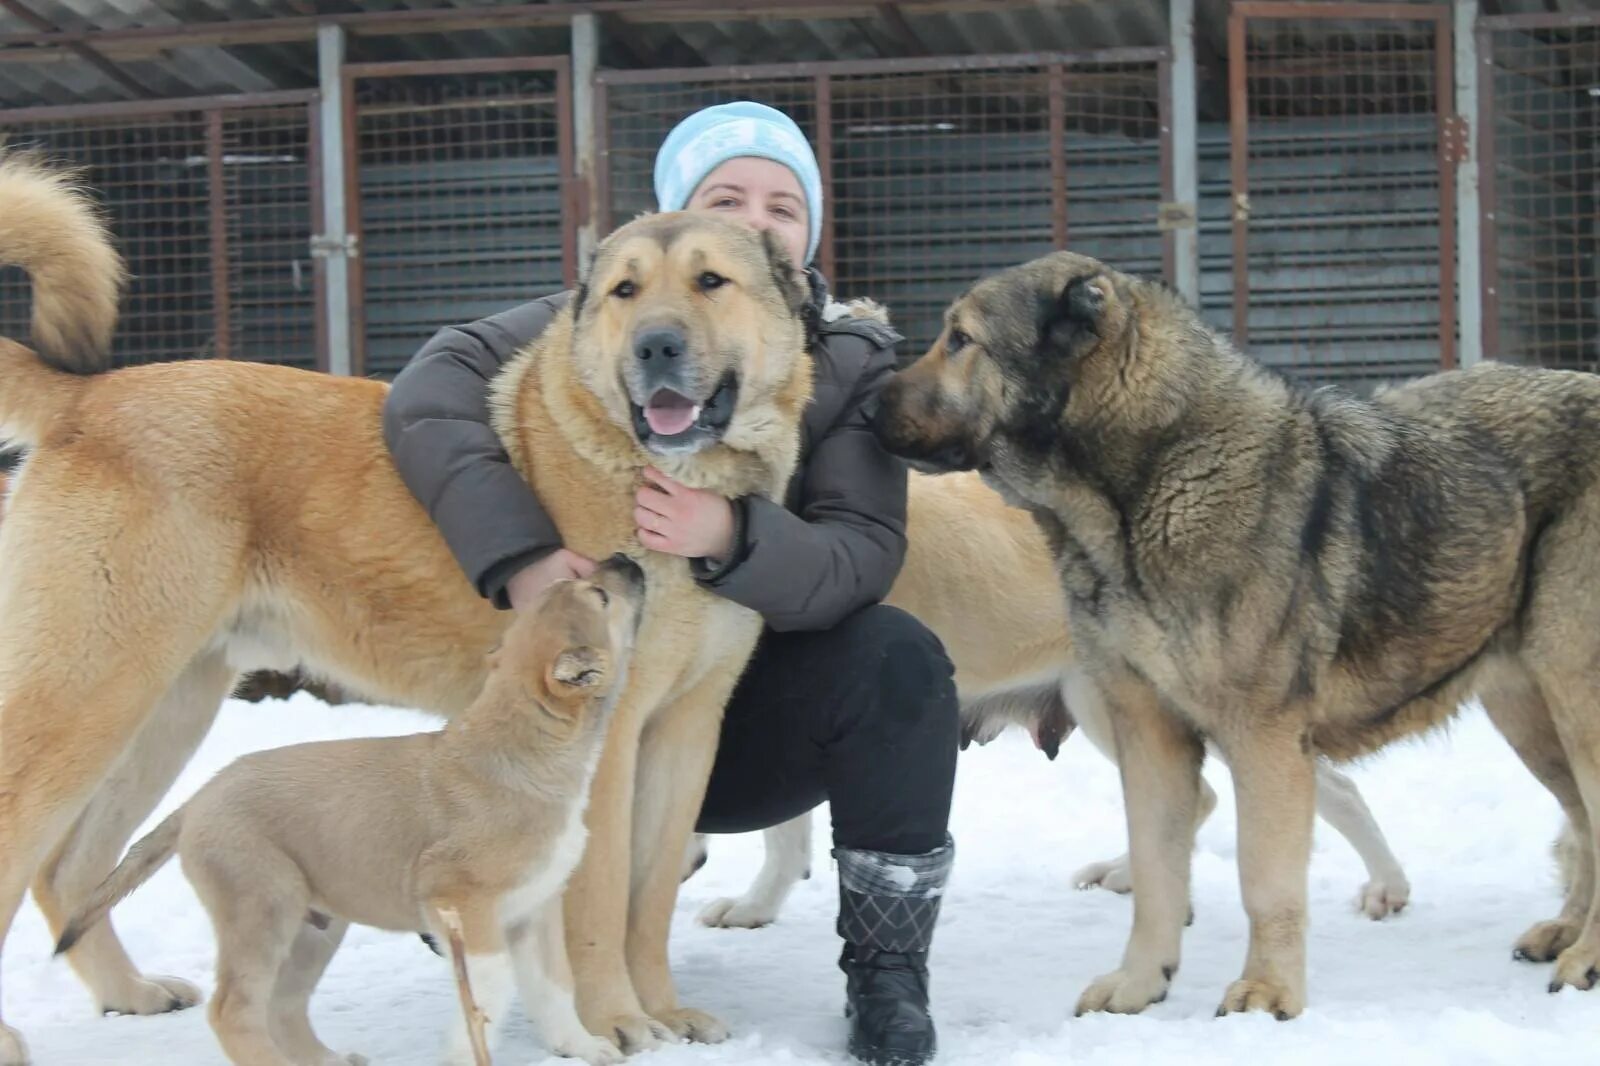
<point>142,777</point>
<point>787,861</point>
<point>290,1021</point>
<point>106,597</point>
<point>1339,802</point>
<point>1517,708</point>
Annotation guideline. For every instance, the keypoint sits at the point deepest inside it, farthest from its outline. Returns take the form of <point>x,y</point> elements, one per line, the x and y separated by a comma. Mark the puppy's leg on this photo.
<point>488,972</point>
<point>313,948</point>
<point>1275,783</point>
<point>675,757</point>
<point>544,982</point>
<point>1160,758</point>
<point>153,761</point>
<point>1518,710</point>
<point>257,901</point>
<point>1340,804</point>
<point>787,861</point>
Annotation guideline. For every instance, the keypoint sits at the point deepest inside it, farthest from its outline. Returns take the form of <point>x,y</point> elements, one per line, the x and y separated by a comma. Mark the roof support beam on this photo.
<point>82,49</point>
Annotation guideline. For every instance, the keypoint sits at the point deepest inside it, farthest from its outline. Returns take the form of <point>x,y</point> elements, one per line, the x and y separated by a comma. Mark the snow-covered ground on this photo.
<point>1016,944</point>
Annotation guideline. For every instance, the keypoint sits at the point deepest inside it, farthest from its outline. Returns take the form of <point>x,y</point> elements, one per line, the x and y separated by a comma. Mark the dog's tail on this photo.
<point>143,860</point>
<point>52,229</point>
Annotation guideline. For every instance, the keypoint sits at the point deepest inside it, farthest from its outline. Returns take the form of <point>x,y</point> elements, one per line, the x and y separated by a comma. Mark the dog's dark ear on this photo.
<point>578,669</point>
<point>790,279</point>
<point>1077,308</point>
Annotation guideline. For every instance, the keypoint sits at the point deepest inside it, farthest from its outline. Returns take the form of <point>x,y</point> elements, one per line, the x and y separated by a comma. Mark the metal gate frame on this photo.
<point>822,75</point>
<point>1238,123</point>
<point>214,108</point>
<point>560,66</point>
<point>1488,238</point>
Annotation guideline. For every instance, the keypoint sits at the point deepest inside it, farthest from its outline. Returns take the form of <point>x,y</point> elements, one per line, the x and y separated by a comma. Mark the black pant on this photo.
<point>863,715</point>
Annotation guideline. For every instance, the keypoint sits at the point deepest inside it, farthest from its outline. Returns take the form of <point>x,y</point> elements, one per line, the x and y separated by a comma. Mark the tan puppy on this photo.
<point>179,524</point>
<point>484,819</point>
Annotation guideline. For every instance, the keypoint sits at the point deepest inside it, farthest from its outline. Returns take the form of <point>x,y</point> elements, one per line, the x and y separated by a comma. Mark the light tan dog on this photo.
<point>483,819</point>
<point>178,524</point>
<point>978,573</point>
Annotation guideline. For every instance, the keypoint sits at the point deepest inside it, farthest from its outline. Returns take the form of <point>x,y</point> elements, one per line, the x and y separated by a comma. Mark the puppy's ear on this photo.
<point>790,279</point>
<point>578,670</point>
<point>1075,310</point>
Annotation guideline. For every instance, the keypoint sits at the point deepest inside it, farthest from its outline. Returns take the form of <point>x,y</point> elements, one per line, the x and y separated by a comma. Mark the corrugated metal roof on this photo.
<point>59,77</point>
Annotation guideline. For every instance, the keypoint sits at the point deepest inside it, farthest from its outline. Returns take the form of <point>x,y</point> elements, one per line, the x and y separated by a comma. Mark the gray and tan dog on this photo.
<point>1281,572</point>
<point>482,819</point>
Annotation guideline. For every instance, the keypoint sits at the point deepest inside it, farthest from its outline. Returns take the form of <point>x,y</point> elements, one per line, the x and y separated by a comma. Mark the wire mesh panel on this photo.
<point>1539,165</point>
<point>937,172</point>
<point>1343,198</point>
<point>940,178</point>
<point>462,182</point>
<point>211,209</point>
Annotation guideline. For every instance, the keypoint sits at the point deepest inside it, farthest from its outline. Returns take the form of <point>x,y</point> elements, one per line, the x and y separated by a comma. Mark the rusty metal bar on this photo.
<point>1316,9</point>
<point>136,108</point>
<point>824,146</point>
<point>1488,237</point>
<point>1540,21</point>
<point>319,222</point>
<point>429,67</point>
<point>217,197</point>
<point>95,58</point>
<point>1445,108</point>
<point>851,67</point>
<point>565,156</point>
<point>1238,120</point>
<point>1058,154</point>
<point>304,27</point>
<point>1169,236</point>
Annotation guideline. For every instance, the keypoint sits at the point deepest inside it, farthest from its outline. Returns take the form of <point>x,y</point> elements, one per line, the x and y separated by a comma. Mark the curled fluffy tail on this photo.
<point>51,229</point>
<point>143,860</point>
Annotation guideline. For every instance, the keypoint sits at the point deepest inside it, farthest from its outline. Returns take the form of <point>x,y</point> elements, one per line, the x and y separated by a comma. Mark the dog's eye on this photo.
<point>958,341</point>
<point>624,290</point>
<point>709,280</point>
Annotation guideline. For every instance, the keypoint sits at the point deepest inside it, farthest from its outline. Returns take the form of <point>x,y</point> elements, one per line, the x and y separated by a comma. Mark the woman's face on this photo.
<point>760,193</point>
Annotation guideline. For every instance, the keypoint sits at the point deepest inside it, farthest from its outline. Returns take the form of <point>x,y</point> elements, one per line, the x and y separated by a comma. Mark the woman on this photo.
<point>846,699</point>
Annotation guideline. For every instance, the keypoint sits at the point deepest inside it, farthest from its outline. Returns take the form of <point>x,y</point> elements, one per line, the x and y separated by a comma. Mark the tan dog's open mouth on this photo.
<point>671,423</point>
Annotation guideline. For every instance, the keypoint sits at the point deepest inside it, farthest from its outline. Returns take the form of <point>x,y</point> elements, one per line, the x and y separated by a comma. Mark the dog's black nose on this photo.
<point>666,343</point>
<point>626,568</point>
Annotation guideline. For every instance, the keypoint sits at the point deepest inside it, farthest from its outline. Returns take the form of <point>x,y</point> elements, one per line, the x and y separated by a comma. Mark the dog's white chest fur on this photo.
<point>547,875</point>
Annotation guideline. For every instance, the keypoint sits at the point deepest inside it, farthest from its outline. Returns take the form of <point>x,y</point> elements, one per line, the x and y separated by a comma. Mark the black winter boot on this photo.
<point>888,906</point>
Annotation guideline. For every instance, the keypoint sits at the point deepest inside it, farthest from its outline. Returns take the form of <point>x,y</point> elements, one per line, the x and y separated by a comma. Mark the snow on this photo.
<point>1016,943</point>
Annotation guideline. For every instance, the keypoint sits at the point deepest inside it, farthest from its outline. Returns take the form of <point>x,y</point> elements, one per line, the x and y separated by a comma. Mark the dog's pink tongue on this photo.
<point>669,413</point>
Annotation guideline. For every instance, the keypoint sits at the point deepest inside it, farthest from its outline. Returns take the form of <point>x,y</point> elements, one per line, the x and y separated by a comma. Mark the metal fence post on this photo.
<point>1183,217</point>
<point>1469,271</point>
<point>334,244</point>
<point>585,58</point>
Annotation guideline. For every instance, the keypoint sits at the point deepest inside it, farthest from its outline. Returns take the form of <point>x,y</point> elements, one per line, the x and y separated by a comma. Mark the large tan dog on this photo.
<point>1284,573</point>
<point>978,573</point>
<point>177,524</point>
<point>473,829</point>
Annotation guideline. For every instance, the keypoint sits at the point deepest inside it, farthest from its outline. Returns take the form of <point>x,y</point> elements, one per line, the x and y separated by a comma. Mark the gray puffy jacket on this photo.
<point>835,543</point>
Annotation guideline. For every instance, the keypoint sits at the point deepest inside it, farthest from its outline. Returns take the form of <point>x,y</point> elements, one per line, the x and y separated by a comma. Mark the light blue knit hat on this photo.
<point>712,136</point>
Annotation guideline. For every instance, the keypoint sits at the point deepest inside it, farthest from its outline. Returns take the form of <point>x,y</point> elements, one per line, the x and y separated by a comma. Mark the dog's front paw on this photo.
<point>730,913</point>
<point>594,1050</point>
<point>152,995</point>
<point>634,1033</point>
<point>1124,992</point>
<point>695,1025</point>
<point>1578,967</point>
<point>1382,897</point>
<point>1545,940</point>
<point>1113,875</point>
<point>13,1049</point>
<point>1269,996</point>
